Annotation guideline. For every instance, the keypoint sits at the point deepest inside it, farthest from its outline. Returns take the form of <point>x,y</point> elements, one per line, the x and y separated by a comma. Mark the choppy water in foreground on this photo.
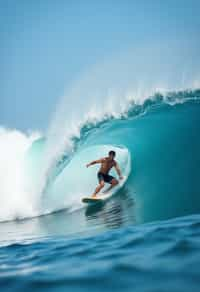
<point>159,256</point>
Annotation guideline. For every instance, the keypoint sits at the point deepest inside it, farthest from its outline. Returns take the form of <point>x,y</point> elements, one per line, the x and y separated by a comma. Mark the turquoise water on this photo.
<point>145,238</point>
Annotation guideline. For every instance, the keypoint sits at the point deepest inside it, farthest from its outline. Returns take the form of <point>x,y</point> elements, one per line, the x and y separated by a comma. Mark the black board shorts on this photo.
<point>105,177</point>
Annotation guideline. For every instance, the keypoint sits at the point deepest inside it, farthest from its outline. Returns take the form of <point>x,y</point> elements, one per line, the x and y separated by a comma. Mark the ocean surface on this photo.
<point>144,238</point>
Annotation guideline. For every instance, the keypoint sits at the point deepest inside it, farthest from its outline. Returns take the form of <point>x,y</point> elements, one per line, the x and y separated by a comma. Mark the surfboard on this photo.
<point>90,200</point>
<point>104,196</point>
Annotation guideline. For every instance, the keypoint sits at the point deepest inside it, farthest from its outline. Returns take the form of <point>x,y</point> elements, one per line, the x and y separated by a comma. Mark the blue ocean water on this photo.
<point>145,238</point>
<point>160,256</point>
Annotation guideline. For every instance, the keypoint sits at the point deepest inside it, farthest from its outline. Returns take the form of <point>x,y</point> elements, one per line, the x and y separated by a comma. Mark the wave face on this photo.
<point>162,137</point>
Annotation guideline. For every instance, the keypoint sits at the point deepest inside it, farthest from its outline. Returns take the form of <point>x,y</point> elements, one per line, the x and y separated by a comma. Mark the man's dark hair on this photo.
<point>112,153</point>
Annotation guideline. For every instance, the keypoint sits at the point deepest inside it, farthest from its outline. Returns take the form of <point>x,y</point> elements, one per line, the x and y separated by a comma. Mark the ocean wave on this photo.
<point>129,129</point>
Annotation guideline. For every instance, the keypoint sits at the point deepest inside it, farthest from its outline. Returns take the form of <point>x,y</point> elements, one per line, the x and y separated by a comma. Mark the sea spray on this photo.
<point>16,198</point>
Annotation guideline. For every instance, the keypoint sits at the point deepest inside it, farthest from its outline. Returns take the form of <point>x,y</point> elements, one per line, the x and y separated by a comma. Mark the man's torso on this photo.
<point>106,165</point>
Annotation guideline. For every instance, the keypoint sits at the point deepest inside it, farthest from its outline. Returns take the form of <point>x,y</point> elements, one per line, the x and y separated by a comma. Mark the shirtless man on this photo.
<point>103,174</point>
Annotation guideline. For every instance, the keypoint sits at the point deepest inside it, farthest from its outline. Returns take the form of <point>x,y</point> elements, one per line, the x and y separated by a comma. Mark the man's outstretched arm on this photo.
<point>95,162</point>
<point>118,171</point>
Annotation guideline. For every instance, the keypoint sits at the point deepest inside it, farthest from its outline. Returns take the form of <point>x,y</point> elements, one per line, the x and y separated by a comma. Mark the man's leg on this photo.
<point>99,187</point>
<point>113,183</point>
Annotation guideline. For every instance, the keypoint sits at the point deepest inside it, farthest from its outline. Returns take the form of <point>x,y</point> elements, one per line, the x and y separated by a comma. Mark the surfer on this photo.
<point>103,174</point>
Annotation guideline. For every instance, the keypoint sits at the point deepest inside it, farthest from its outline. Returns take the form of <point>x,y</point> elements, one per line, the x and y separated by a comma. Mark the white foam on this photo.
<point>15,199</point>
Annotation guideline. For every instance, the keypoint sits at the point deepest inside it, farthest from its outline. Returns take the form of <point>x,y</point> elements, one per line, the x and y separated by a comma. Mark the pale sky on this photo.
<point>45,46</point>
